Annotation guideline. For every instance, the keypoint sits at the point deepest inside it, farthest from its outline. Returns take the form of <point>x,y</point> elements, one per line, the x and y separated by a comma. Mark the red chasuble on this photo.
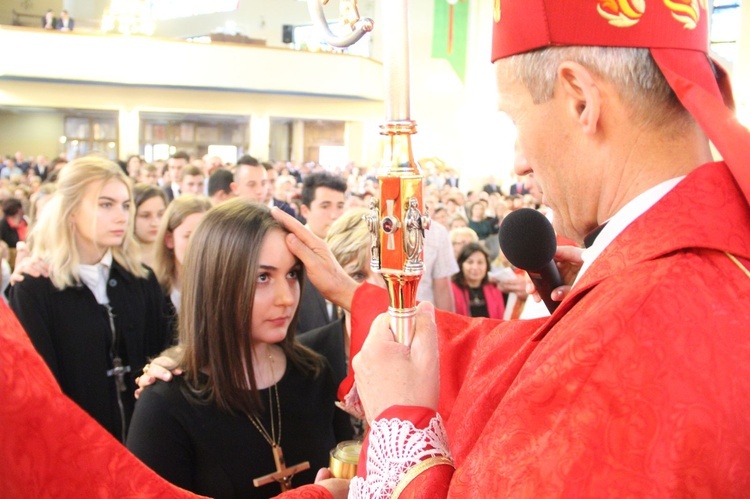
<point>638,385</point>
<point>49,447</point>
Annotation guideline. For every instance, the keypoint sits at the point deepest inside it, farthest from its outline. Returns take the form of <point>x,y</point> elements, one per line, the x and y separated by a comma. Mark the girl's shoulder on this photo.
<point>39,284</point>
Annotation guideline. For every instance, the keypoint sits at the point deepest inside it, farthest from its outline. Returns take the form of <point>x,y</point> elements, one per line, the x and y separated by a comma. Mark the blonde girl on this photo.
<point>98,313</point>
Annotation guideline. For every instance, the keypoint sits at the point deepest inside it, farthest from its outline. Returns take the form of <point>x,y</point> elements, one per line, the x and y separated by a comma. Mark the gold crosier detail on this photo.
<point>496,12</point>
<point>622,13</point>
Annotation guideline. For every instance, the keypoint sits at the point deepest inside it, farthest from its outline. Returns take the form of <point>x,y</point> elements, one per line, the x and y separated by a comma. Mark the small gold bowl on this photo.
<point>344,459</point>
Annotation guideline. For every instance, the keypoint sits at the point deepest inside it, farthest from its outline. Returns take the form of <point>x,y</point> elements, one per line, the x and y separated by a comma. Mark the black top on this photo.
<point>313,309</point>
<point>477,302</point>
<point>8,233</point>
<point>328,341</point>
<point>72,333</point>
<point>210,452</point>
<point>485,228</point>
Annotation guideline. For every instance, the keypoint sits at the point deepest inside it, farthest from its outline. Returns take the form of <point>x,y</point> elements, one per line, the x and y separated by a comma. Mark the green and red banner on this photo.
<point>450,33</point>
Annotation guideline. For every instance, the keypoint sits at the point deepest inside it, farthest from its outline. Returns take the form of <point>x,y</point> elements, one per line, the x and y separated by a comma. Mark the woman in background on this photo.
<point>150,205</point>
<point>473,293</point>
<point>177,224</point>
<point>248,388</point>
<point>98,313</point>
<point>39,200</point>
<point>460,237</point>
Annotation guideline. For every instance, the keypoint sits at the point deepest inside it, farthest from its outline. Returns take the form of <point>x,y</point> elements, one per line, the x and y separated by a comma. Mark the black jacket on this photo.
<point>328,341</point>
<point>8,233</point>
<point>313,309</point>
<point>71,331</point>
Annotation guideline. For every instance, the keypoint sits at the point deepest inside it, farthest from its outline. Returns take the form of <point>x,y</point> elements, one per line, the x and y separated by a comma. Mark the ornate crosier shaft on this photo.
<point>397,222</point>
<point>403,221</point>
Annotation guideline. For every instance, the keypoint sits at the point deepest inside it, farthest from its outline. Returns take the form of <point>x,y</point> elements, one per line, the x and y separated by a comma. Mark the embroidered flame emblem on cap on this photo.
<point>622,13</point>
<point>688,12</point>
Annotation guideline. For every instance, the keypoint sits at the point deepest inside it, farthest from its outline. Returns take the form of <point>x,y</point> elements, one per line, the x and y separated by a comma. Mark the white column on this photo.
<point>129,132</point>
<point>260,136</point>
<point>353,139</point>
<point>298,141</point>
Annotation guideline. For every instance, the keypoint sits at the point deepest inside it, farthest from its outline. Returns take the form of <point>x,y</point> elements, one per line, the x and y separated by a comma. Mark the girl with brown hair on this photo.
<point>150,205</point>
<point>248,388</point>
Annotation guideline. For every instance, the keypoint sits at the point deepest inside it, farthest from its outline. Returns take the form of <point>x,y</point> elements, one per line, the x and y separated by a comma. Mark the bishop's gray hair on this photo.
<point>632,71</point>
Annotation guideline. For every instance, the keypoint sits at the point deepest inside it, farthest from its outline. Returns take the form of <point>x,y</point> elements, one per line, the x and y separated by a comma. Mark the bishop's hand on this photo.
<point>568,261</point>
<point>338,487</point>
<point>320,265</point>
<point>388,373</point>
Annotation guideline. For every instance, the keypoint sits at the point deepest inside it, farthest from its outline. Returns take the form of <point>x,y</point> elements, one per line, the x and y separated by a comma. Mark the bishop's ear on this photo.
<point>581,93</point>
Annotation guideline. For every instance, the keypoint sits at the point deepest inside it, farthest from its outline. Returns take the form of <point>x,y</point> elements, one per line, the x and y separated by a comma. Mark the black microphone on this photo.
<point>528,241</point>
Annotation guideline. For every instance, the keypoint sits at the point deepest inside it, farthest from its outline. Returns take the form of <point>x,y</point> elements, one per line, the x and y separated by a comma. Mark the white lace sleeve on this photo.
<point>395,447</point>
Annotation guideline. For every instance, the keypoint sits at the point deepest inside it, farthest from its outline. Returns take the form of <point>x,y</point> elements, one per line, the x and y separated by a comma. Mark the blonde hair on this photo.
<point>178,210</point>
<point>44,190</point>
<point>463,231</point>
<point>349,238</point>
<point>53,236</point>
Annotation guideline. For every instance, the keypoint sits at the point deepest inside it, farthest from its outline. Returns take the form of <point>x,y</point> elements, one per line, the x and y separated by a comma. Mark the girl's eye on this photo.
<point>105,204</point>
<point>294,274</point>
<point>263,277</point>
<point>358,276</point>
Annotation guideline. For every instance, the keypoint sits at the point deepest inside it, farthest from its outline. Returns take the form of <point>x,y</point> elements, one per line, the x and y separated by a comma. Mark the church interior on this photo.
<point>253,77</point>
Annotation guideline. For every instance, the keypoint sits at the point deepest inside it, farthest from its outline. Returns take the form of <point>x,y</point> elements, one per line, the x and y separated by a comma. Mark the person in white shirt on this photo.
<point>439,266</point>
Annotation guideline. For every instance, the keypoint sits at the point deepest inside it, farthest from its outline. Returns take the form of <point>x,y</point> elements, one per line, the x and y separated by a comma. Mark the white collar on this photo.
<point>623,218</point>
<point>95,276</point>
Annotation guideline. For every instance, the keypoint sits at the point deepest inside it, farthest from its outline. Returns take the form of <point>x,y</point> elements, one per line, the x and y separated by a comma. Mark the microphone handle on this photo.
<point>545,280</point>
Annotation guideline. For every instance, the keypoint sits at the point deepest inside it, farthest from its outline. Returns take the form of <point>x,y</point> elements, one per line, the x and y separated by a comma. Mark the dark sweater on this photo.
<point>208,451</point>
<point>71,331</point>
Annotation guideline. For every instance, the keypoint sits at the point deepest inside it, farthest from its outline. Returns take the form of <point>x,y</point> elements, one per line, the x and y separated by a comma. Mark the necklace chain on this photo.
<point>271,439</point>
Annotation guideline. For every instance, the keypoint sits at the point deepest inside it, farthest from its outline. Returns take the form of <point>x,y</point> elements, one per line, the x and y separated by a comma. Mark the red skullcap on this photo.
<point>675,31</point>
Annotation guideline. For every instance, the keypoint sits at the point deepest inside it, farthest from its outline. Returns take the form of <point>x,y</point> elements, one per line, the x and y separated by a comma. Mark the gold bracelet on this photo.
<point>417,470</point>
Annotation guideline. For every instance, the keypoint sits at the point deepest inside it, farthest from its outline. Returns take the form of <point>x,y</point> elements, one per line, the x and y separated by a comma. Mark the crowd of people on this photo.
<point>104,280</point>
<point>30,181</point>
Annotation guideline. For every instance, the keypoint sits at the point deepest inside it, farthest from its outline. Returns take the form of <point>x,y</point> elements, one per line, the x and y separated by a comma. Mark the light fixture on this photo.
<point>128,17</point>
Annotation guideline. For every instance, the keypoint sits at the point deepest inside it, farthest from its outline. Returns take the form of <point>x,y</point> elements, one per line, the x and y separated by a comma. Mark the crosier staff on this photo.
<point>398,221</point>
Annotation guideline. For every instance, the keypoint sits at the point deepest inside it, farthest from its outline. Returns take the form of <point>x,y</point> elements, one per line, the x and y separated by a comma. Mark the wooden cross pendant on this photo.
<point>283,475</point>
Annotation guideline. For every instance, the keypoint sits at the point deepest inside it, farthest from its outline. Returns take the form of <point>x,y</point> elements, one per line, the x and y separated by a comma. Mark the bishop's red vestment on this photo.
<point>639,383</point>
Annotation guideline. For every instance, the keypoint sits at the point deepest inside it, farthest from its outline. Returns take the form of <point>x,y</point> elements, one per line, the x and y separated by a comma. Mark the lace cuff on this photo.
<point>395,447</point>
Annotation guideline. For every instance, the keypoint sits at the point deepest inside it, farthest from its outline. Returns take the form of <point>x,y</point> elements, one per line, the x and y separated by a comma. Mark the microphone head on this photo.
<point>527,239</point>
